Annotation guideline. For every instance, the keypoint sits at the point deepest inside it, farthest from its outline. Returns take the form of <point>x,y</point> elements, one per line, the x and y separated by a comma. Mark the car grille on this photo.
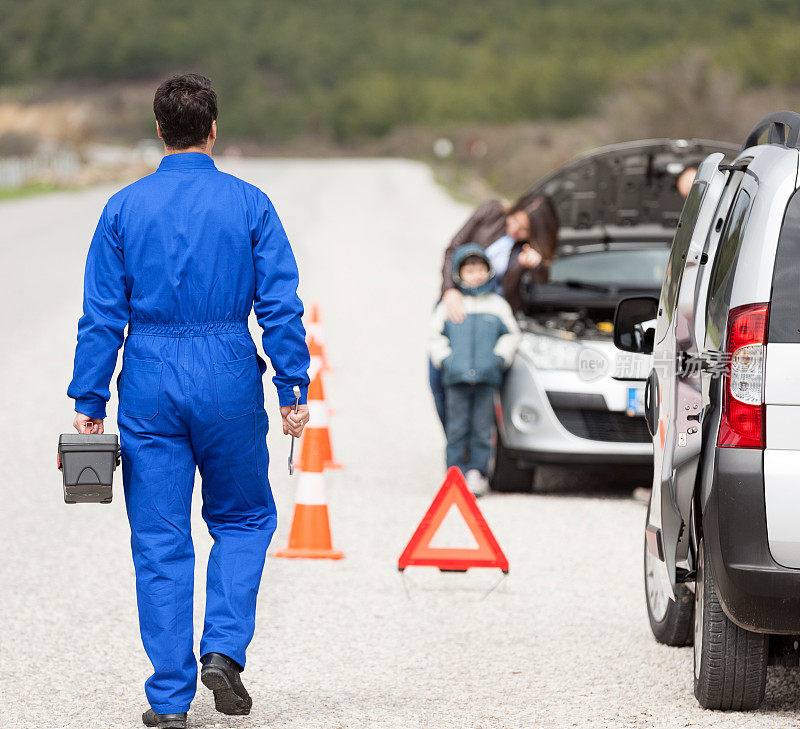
<point>596,423</point>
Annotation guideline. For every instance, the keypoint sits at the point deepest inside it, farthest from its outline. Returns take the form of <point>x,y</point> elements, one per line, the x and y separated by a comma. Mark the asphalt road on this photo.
<point>562,641</point>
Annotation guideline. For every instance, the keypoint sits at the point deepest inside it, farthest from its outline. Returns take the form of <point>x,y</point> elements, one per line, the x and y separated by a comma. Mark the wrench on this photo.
<point>291,451</point>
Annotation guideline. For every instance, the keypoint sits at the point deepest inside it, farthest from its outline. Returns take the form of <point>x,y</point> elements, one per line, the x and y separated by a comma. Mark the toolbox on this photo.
<point>87,463</point>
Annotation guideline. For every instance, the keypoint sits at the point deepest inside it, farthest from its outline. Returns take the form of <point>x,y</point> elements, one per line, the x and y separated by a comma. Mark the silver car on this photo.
<point>722,536</point>
<point>567,398</point>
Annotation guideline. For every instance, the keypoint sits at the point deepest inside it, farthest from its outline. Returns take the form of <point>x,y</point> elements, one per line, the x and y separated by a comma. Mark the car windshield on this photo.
<point>642,267</point>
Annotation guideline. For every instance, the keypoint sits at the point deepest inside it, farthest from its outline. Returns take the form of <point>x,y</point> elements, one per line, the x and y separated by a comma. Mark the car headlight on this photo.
<point>550,353</point>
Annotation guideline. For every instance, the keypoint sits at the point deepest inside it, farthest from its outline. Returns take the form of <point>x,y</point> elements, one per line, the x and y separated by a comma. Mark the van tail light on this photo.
<point>743,411</point>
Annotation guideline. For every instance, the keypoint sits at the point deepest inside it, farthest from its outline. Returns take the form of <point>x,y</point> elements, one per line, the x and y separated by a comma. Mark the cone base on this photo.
<point>290,553</point>
<point>333,466</point>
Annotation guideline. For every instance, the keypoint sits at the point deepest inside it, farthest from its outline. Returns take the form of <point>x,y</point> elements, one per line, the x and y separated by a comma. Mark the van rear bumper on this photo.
<point>756,592</point>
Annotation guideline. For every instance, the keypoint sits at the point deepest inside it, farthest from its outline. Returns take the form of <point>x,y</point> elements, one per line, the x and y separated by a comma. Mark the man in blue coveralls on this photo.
<point>181,257</point>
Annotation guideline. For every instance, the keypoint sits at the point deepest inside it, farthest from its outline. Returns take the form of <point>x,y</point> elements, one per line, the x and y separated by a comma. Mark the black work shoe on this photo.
<point>221,675</point>
<point>164,721</point>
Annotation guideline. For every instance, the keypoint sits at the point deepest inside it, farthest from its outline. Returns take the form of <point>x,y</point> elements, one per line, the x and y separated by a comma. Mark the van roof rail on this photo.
<point>783,128</point>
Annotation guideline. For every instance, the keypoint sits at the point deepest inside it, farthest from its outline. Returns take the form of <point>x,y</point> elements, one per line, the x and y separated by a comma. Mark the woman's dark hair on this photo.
<point>185,106</point>
<point>543,219</point>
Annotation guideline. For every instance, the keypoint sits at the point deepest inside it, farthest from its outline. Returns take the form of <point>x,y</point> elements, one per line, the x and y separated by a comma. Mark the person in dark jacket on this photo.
<point>517,238</point>
<point>472,356</point>
<point>520,238</point>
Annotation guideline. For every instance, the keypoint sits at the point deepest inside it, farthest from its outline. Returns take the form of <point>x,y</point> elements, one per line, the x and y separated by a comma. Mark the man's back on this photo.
<point>187,234</point>
<point>187,245</point>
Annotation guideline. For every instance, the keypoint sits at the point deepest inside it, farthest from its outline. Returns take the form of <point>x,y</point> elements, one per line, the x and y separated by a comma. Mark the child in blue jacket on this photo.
<point>473,355</point>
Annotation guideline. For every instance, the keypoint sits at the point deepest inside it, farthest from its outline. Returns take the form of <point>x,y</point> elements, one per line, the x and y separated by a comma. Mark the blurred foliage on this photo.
<point>354,69</point>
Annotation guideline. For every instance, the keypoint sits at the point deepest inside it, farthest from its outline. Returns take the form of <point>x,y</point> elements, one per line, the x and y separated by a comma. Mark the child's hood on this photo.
<point>461,254</point>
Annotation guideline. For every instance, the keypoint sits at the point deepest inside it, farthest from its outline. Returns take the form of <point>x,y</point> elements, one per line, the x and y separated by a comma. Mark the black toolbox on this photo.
<point>87,463</point>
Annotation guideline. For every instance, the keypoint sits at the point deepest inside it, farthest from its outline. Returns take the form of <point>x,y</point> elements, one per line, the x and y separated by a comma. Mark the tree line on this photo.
<point>355,69</point>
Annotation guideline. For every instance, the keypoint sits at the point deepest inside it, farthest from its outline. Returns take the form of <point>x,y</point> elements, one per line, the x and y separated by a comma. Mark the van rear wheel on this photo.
<point>730,663</point>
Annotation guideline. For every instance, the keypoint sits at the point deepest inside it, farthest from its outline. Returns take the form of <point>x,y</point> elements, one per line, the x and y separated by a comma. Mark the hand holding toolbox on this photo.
<point>87,463</point>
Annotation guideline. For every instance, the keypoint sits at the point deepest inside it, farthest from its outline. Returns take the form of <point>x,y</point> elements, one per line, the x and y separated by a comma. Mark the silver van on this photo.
<point>722,403</point>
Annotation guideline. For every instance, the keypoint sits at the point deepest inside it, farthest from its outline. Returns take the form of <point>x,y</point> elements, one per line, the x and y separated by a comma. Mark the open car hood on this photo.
<point>584,312</point>
<point>562,297</point>
<point>624,192</point>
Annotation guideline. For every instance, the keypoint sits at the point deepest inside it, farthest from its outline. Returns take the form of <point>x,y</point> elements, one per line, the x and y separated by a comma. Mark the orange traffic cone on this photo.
<point>310,536</point>
<point>317,437</point>
<point>315,338</point>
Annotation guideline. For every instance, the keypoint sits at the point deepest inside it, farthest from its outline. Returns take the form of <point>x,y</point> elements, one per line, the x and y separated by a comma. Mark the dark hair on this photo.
<point>543,219</point>
<point>185,106</point>
<point>474,259</point>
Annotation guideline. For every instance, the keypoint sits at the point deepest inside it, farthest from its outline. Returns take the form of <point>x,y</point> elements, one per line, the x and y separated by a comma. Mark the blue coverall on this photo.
<point>181,257</point>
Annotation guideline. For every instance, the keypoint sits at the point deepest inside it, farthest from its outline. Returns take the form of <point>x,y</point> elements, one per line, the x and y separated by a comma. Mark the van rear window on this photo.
<point>680,246</point>
<point>719,287</point>
<point>784,310</point>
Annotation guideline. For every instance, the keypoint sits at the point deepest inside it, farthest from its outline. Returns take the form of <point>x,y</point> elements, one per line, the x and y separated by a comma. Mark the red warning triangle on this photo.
<point>454,491</point>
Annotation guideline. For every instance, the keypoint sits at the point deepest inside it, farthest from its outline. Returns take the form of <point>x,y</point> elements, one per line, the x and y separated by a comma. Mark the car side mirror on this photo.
<point>635,324</point>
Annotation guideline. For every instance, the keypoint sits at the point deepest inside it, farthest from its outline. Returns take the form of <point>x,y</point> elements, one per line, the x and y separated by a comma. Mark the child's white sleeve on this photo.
<point>438,343</point>
<point>506,346</point>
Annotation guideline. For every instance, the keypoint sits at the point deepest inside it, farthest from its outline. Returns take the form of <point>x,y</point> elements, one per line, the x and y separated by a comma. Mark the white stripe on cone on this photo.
<point>314,368</point>
<point>311,489</point>
<point>314,330</point>
<point>317,414</point>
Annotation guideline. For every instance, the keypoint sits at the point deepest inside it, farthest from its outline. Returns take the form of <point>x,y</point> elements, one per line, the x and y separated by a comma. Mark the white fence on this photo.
<point>17,171</point>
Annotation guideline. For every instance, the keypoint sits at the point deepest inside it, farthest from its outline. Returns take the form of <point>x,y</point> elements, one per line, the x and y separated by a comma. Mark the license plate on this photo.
<point>635,404</point>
